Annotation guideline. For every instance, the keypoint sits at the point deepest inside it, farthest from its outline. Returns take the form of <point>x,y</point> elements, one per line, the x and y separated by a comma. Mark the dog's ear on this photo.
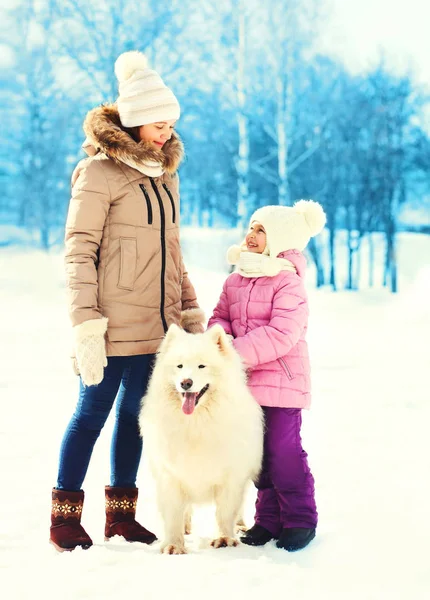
<point>219,336</point>
<point>171,334</point>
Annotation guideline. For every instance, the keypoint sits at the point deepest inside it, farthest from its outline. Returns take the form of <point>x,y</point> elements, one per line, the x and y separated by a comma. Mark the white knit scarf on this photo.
<point>251,264</point>
<point>151,168</point>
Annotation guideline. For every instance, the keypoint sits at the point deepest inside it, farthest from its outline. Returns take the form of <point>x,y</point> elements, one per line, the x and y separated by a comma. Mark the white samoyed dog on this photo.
<point>203,432</point>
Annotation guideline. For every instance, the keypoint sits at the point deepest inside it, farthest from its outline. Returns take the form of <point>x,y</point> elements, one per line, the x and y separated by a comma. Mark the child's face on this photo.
<point>256,238</point>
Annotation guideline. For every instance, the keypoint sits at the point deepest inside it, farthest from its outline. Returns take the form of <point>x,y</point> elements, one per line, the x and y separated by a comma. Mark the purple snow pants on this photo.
<point>285,486</point>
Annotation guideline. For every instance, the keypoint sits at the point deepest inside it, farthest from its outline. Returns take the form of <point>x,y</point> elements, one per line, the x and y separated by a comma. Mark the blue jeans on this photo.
<point>125,378</point>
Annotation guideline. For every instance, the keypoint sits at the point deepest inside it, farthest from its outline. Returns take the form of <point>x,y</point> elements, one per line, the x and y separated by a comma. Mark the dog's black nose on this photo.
<point>186,384</point>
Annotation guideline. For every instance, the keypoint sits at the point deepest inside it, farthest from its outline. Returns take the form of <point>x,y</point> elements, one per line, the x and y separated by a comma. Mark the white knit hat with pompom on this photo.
<point>290,227</point>
<point>143,96</point>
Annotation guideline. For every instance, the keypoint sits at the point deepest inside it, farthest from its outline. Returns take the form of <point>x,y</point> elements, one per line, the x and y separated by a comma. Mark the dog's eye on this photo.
<point>202,366</point>
<point>180,366</point>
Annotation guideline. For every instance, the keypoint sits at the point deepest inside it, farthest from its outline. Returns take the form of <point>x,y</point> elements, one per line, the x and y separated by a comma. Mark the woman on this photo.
<point>127,283</point>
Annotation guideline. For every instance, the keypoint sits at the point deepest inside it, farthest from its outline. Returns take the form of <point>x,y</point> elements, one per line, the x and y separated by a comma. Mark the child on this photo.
<point>264,306</point>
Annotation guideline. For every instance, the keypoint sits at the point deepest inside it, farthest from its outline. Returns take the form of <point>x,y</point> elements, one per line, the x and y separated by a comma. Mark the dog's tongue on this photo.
<point>189,402</point>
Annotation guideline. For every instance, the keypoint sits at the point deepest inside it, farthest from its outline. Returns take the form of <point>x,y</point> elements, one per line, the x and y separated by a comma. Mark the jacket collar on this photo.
<point>102,126</point>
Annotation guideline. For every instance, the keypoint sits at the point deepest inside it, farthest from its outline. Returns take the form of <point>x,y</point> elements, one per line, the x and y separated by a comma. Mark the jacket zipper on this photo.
<point>163,252</point>
<point>286,368</point>
<point>247,305</point>
<point>171,202</point>
<point>148,202</point>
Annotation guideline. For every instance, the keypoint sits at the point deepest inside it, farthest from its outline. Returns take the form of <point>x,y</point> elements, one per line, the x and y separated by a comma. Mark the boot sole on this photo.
<point>149,542</point>
<point>255,543</point>
<point>297,548</point>
<point>60,549</point>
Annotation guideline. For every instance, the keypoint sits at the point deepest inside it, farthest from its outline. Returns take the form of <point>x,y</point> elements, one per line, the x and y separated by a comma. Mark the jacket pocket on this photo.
<point>286,368</point>
<point>172,202</point>
<point>148,202</point>
<point>128,259</point>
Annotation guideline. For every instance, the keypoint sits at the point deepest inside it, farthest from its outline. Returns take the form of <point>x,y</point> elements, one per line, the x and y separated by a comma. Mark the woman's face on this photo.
<point>256,238</point>
<point>157,133</point>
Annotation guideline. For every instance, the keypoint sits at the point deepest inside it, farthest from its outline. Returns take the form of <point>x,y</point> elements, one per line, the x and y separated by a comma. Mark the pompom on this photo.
<point>313,213</point>
<point>233,255</point>
<point>129,62</point>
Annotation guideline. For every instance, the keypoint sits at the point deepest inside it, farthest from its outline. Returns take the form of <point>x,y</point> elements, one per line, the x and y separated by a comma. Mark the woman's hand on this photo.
<point>192,320</point>
<point>90,350</point>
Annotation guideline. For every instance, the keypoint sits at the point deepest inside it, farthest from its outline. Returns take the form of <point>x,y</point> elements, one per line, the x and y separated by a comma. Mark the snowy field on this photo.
<point>366,434</point>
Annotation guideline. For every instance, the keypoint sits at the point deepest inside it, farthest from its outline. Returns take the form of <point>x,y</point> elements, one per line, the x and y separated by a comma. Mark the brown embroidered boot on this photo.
<point>120,516</point>
<point>66,530</point>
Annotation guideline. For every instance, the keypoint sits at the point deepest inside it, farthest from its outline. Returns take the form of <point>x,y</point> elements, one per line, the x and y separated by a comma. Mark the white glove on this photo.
<point>90,350</point>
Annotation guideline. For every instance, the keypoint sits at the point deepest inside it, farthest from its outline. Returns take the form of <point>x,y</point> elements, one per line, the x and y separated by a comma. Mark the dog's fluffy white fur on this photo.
<point>201,449</point>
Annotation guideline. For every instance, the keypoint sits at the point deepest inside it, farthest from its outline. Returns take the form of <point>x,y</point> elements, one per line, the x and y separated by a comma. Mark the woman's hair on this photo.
<point>133,132</point>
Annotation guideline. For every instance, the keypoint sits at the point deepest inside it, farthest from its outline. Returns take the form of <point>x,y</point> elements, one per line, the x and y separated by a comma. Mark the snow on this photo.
<point>366,435</point>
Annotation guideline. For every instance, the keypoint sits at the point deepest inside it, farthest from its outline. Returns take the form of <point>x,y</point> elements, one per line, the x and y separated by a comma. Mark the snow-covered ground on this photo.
<point>366,435</point>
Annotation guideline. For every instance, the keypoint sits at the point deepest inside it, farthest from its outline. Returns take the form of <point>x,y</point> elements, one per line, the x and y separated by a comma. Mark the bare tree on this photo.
<point>44,115</point>
<point>291,26</point>
<point>103,29</point>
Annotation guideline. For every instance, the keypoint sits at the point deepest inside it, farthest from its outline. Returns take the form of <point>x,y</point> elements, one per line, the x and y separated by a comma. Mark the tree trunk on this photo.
<point>282,148</point>
<point>390,256</point>
<point>386,267</point>
<point>283,126</point>
<point>332,246</point>
<point>314,251</point>
<point>394,287</point>
<point>349,285</point>
<point>211,213</point>
<point>44,236</point>
<point>371,260</point>
<point>357,265</point>
<point>242,164</point>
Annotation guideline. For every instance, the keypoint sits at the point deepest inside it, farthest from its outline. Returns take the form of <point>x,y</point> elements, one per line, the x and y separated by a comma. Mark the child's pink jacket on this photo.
<point>268,318</point>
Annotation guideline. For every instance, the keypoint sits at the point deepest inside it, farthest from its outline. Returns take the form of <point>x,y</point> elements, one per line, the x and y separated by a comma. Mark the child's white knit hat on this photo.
<point>143,96</point>
<point>290,228</point>
<point>287,227</point>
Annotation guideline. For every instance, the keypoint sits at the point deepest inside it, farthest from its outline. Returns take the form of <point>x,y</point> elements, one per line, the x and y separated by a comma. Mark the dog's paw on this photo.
<point>173,549</point>
<point>187,524</point>
<point>224,542</point>
<point>240,525</point>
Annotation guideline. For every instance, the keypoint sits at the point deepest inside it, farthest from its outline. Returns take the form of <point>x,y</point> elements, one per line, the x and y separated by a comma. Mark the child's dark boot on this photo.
<point>295,538</point>
<point>257,536</point>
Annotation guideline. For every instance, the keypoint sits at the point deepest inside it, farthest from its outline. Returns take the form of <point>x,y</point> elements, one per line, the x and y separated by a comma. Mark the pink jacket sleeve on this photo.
<point>221,313</point>
<point>288,319</point>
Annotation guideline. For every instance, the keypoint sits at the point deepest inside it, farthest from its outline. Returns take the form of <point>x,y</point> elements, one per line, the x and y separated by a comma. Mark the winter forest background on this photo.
<point>281,100</point>
<point>268,116</point>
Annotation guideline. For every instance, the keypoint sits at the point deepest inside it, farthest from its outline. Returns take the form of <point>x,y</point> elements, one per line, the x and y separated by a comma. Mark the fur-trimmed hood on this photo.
<point>102,126</point>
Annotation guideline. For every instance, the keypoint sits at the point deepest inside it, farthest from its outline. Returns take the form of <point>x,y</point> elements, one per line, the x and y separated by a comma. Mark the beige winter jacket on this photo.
<point>123,258</point>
